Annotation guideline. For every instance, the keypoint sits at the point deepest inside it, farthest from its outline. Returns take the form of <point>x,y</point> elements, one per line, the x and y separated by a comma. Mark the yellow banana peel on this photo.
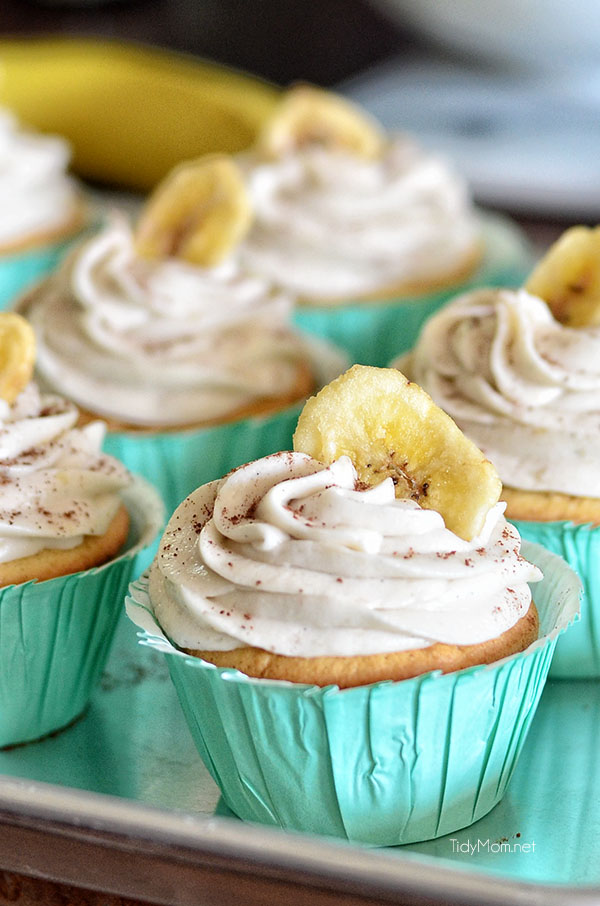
<point>130,112</point>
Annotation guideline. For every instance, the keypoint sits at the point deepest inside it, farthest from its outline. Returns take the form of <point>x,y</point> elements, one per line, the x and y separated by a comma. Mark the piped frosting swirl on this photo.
<point>332,226</point>
<point>522,386</point>
<point>36,194</point>
<point>297,558</point>
<point>57,485</point>
<point>160,343</point>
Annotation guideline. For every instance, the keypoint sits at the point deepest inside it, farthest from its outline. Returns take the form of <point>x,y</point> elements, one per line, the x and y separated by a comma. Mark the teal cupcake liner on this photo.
<point>374,333</point>
<point>577,654</point>
<point>55,635</point>
<point>18,270</point>
<point>384,764</point>
<point>177,462</point>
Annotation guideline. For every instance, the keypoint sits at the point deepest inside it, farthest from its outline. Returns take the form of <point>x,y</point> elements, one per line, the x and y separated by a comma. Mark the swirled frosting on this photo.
<point>56,485</point>
<point>332,226</point>
<point>160,343</point>
<point>36,195</point>
<point>525,388</point>
<point>297,558</point>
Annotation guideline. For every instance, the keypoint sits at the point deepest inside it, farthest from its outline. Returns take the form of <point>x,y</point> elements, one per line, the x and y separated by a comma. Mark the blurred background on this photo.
<point>322,41</point>
<point>509,89</point>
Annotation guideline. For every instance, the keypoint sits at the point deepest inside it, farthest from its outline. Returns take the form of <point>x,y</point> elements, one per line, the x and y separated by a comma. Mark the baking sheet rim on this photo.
<point>124,825</point>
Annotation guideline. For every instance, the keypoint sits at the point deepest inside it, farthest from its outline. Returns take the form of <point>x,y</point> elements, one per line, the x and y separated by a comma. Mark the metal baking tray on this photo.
<point>120,802</point>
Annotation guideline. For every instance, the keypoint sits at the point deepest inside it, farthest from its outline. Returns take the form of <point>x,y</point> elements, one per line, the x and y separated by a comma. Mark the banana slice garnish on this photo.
<point>17,355</point>
<point>198,213</point>
<point>389,426</point>
<point>568,277</point>
<point>309,115</point>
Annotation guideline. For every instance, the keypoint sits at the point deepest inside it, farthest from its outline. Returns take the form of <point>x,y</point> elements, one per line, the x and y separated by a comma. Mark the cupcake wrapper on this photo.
<point>385,764</point>
<point>178,462</point>
<point>55,635</point>
<point>374,333</point>
<point>20,269</point>
<point>577,654</point>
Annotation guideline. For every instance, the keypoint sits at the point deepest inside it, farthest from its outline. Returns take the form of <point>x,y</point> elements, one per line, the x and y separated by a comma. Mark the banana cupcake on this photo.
<point>369,232</point>
<point>519,371</point>
<point>160,331</point>
<point>72,521</point>
<point>326,611</point>
<point>42,207</point>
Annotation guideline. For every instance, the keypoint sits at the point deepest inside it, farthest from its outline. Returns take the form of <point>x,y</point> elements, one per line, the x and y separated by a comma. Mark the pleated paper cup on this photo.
<point>577,654</point>
<point>384,764</point>
<point>55,635</point>
<point>373,333</point>
<point>18,270</point>
<point>178,462</point>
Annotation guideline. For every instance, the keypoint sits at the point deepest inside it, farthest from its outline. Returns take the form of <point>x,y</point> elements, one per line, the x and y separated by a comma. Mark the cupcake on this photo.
<point>366,230</point>
<point>161,332</point>
<point>72,521</point>
<point>42,206</point>
<point>519,371</point>
<point>350,626</point>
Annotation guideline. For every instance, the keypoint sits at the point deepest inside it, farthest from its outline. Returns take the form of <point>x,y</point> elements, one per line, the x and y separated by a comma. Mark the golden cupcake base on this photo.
<point>50,563</point>
<point>363,670</point>
<point>547,506</point>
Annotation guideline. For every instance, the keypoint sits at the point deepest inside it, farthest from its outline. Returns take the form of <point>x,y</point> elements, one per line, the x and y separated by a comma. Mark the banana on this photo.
<point>388,425</point>
<point>568,277</point>
<point>17,354</point>
<point>131,113</point>
<point>308,115</point>
<point>198,213</point>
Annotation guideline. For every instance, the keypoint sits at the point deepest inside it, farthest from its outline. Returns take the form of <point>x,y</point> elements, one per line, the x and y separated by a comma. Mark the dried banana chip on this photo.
<point>389,426</point>
<point>17,354</point>
<point>568,277</point>
<point>308,115</point>
<point>198,213</point>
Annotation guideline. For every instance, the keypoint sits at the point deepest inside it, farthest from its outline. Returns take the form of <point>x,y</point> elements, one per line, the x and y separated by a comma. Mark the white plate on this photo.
<point>529,144</point>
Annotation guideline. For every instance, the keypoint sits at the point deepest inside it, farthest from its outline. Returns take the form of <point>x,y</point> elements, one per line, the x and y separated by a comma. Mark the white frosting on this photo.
<point>160,343</point>
<point>524,387</point>
<point>36,195</point>
<point>291,556</point>
<point>56,485</point>
<point>331,226</point>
